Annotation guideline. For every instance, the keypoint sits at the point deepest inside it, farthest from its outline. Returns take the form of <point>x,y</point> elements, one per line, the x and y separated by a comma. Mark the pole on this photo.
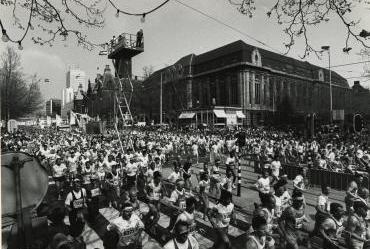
<point>160,102</point>
<point>239,178</point>
<point>331,93</point>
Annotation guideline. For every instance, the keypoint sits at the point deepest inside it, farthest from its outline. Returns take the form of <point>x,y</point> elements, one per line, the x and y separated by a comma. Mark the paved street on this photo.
<point>245,206</point>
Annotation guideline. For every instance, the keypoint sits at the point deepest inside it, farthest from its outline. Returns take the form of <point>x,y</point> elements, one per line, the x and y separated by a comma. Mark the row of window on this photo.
<point>223,90</point>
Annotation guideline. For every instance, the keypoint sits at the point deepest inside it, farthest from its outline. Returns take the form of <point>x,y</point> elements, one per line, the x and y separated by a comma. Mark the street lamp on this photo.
<point>327,48</point>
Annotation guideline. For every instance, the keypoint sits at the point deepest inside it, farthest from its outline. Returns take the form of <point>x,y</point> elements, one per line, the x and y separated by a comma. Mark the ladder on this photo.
<point>122,100</point>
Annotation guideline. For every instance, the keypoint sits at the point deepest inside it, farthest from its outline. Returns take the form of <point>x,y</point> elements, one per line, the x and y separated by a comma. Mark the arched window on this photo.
<point>256,58</point>
<point>321,75</point>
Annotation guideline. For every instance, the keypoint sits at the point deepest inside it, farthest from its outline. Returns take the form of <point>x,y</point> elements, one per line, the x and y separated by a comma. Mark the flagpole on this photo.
<point>160,102</point>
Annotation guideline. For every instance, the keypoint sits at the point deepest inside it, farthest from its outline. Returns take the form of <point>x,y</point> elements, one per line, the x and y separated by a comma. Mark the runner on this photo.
<point>204,186</point>
<point>331,228</point>
<point>175,174</point>
<point>215,178</point>
<point>223,212</point>
<point>292,222</point>
<point>263,184</point>
<point>258,239</point>
<point>177,198</point>
<point>357,230</point>
<point>352,192</point>
<point>76,202</point>
<point>110,190</point>
<point>322,211</point>
<point>59,174</point>
<point>230,166</point>
<point>182,238</point>
<point>186,173</point>
<point>188,215</point>
<point>267,210</point>
<point>129,228</point>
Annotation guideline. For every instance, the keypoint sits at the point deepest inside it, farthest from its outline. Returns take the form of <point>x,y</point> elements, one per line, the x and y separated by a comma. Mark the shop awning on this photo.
<point>187,115</point>
<point>219,113</point>
<point>239,114</point>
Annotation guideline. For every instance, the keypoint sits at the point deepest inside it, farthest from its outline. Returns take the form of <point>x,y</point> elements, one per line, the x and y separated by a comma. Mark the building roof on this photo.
<point>239,51</point>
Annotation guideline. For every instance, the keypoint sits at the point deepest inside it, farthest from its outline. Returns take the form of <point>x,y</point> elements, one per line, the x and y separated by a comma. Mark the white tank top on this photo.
<point>259,245</point>
<point>156,190</point>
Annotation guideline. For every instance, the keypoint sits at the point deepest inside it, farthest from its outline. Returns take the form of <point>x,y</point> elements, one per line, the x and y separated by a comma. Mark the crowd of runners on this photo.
<point>88,172</point>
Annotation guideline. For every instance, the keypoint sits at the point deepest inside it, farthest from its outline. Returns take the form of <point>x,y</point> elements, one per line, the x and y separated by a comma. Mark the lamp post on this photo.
<point>327,48</point>
<point>161,102</point>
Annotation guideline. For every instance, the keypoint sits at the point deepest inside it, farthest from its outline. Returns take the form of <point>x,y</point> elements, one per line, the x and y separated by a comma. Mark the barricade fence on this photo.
<point>316,177</point>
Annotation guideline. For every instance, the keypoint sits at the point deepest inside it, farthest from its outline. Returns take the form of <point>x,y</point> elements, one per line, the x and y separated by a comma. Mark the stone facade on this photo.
<point>242,77</point>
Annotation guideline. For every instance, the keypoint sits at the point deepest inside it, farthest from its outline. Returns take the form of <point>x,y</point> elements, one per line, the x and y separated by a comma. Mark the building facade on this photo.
<point>241,84</point>
<point>53,107</point>
<point>361,100</point>
<point>75,78</point>
<point>67,96</point>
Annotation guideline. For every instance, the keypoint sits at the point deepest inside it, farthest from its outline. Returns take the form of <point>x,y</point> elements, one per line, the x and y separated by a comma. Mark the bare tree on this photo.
<point>297,16</point>
<point>65,18</point>
<point>17,97</point>
<point>62,19</point>
<point>147,71</point>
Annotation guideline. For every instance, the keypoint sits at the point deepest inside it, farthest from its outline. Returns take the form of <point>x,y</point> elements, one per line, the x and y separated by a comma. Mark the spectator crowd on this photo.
<point>88,172</point>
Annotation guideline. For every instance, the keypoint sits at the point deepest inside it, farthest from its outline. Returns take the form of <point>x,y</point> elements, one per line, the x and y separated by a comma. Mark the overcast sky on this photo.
<point>175,31</point>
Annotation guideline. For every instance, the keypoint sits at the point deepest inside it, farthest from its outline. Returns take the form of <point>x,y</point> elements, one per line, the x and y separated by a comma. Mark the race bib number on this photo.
<point>182,204</point>
<point>299,222</point>
<point>225,218</point>
<point>78,203</point>
<point>127,236</point>
<point>95,192</point>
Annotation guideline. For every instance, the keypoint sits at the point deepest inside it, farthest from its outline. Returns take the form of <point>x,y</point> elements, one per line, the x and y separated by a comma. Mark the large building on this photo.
<point>53,107</point>
<point>67,95</point>
<point>361,100</point>
<point>242,84</point>
<point>75,78</point>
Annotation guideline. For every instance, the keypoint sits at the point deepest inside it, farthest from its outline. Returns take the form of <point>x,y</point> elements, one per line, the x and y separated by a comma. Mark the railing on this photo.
<point>125,40</point>
<point>335,180</point>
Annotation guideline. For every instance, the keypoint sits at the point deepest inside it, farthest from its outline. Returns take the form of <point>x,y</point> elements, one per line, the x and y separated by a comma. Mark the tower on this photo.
<point>121,50</point>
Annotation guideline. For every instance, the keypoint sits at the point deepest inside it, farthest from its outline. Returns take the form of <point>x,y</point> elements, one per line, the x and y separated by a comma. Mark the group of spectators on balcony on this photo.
<point>128,40</point>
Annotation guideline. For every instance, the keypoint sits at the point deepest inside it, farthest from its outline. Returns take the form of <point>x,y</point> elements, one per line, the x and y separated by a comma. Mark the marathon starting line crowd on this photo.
<point>91,172</point>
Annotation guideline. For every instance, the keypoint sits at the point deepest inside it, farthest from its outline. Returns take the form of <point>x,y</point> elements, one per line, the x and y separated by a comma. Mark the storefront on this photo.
<point>215,117</point>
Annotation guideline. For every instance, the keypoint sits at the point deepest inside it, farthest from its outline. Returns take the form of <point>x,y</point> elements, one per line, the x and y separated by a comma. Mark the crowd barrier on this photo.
<point>317,177</point>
